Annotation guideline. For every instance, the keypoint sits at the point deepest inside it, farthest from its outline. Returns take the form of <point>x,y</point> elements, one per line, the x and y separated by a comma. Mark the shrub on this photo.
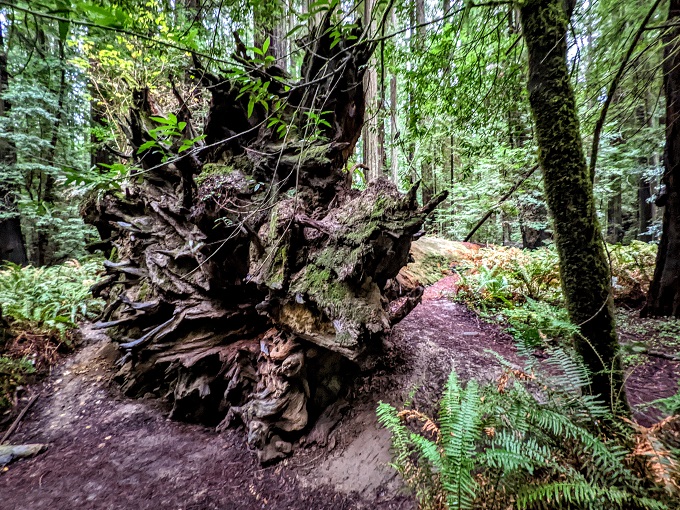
<point>48,300</point>
<point>534,274</point>
<point>500,446</point>
<point>39,308</point>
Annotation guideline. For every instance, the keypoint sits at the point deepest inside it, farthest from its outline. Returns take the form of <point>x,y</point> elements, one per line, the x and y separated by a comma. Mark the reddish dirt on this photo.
<point>107,451</point>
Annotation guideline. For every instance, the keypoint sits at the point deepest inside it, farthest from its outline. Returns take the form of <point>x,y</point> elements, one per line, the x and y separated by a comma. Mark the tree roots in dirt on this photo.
<point>251,281</point>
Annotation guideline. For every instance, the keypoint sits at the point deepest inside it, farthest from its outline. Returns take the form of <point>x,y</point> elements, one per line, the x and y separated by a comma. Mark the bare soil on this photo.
<point>107,451</point>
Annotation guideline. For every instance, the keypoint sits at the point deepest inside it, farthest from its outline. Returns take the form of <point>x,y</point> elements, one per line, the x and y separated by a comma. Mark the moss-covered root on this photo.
<point>583,264</point>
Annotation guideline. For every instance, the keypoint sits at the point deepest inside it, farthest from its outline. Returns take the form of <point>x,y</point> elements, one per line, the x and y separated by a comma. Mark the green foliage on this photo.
<point>522,287</point>
<point>535,321</point>
<point>510,445</point>
<point>501,276</point>
<point>49,300</point>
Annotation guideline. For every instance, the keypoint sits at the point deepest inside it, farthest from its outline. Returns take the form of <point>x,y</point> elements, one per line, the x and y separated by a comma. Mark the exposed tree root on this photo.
<point>254,292</point>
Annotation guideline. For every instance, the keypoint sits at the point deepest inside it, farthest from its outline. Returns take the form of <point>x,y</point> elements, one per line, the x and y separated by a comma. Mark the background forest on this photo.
<point>447,96</point>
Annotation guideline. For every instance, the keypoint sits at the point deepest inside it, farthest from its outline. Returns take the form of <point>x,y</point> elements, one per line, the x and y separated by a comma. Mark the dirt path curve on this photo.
<point>109,452</point>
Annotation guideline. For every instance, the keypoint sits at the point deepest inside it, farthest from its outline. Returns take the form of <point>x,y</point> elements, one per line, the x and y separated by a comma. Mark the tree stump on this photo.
<point>251,281</point>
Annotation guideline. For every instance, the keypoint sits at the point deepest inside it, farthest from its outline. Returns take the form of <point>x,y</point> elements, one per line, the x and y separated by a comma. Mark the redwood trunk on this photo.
<point>664,293</point>
<point>12,247</point>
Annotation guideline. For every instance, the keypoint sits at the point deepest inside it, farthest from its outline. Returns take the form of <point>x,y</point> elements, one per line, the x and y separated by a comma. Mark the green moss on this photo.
<point>568,184</point>
<point>213,169</point>
<point>277,270</point>
<point>314,280</point>
<point>362,233</point>
<point>143,292</point>
<point>310,155</point>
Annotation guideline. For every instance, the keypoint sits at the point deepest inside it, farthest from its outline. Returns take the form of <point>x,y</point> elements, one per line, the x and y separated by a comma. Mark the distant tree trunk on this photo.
<point>644,191</point>
<point>584,270</point>
<point>412,115</point>
<point>644,116</point>
<point>644,209</point>
<point>12,247</point>
<point>532,212</point>
<point>372,147</point>
<point>425,163</point>
<point>271,24</point>
<point>394,163</point>
<point>615,212</point>
<point>664,293</point>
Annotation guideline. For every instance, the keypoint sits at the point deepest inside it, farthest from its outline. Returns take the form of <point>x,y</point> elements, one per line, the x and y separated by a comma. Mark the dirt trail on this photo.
<point>110,452</point>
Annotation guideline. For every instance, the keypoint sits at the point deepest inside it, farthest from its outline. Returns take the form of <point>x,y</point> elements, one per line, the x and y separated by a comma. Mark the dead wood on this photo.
<point>8,433</point>
<point>254,292</point>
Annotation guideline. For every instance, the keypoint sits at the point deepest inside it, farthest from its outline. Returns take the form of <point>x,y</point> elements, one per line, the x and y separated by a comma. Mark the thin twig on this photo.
<point>18,419</point>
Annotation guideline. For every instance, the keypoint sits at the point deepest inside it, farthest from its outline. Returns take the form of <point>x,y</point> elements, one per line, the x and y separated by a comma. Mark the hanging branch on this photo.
<point>502,199</point>
<point>612,89</point>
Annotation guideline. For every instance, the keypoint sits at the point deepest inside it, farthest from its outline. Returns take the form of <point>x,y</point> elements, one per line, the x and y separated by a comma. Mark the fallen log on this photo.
<point>251,282</point>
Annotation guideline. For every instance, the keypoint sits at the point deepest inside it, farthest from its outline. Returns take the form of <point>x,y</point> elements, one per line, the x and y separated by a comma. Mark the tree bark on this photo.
<point>394,158</point>
<point>615,212</point>
<point>584,269</point>
<point>394,101</point>
<point>372,145</point>
<point>664,293</point>
<point>12,246</point>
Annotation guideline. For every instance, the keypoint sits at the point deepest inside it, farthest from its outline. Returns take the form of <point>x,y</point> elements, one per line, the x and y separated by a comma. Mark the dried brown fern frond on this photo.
<point>428,426</point>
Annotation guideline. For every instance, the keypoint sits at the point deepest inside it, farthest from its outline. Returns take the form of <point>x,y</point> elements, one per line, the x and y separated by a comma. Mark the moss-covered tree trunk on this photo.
<point>664,293</point>
<point>584,268</point>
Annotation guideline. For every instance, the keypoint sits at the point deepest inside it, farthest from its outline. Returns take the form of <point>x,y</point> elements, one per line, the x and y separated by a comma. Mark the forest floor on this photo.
<point>107,451</point>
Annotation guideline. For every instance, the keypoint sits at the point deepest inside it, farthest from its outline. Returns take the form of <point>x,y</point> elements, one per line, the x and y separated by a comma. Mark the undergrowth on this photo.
<point>521,288</point>
<point>48,300</point>
<point>534,439</point>
<point>39,309</point>
<point>523,443</point>
<point>502,275</point>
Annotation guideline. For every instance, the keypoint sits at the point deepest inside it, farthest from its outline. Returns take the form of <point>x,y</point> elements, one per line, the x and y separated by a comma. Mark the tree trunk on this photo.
<point>644,191</point>
<point>664,293</point>
<point>615,212</point>
<point>372,146</point>
<point>258,299</point>
<point>394,102</point>
<point>12,247</point>
<point>584,269</point>
<point>48,196</point>
<point>394,162</point>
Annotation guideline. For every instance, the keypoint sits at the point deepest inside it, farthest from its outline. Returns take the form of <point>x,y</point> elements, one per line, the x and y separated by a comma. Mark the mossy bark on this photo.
<point>664,292</point>
<point>584,268</point>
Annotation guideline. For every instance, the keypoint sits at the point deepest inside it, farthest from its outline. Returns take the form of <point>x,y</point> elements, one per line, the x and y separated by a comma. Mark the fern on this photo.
<point>48,300</point>
<point>500,444</point>
<point>461,424</point>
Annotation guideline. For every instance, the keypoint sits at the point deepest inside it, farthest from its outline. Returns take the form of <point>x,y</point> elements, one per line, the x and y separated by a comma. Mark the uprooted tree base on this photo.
<point>252,293</point>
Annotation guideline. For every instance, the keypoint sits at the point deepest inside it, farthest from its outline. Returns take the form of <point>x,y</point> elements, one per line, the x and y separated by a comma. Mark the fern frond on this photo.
<point>583,494</point>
